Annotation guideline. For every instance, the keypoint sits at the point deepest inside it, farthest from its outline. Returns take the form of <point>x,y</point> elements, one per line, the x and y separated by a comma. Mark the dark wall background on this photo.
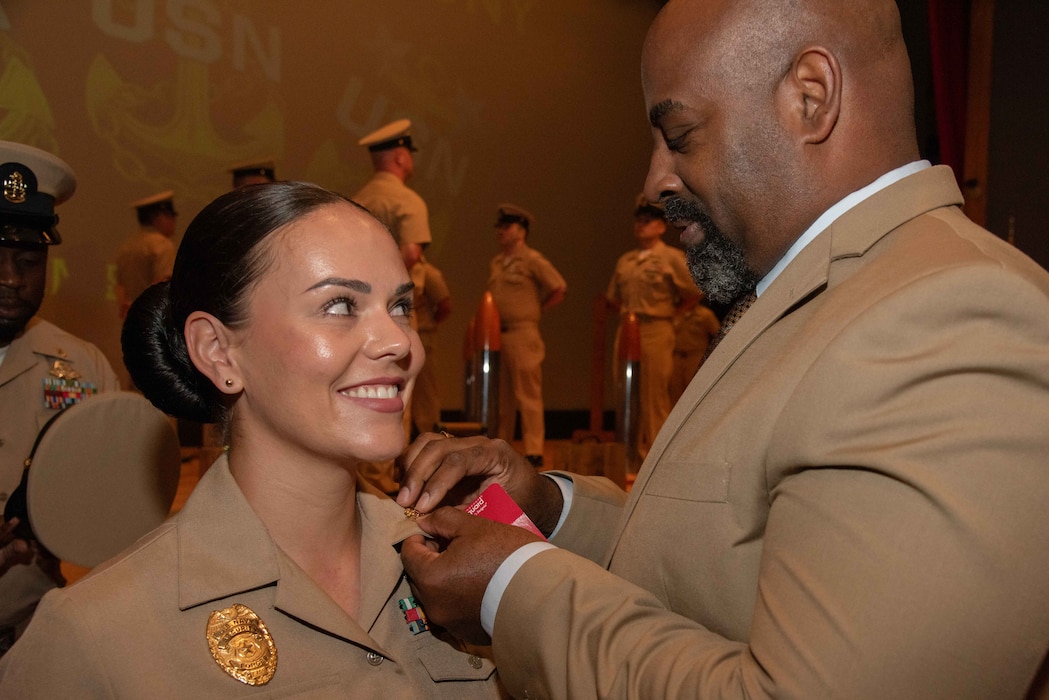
<point>1018,178</point>
<point>1018,158</point>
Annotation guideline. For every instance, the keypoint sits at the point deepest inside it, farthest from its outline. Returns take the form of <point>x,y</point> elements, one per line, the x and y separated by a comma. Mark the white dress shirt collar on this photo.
<point>828,217</point>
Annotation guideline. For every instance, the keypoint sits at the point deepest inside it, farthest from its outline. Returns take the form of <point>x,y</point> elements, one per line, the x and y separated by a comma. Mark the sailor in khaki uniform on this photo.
<point>386,195</point>
<point>43,369</point>
<point>147,256</point>
<point>652,282</point>
<point>523,284</point>
<point>693,332</point>
<point>433,304</point>
<point>404,213</point>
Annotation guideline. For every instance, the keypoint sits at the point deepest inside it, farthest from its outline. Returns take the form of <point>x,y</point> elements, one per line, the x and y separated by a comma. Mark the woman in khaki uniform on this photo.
<point>286,319</point>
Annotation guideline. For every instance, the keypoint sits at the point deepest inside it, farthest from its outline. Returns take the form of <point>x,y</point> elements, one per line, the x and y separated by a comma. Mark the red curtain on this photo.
<point>949,45</point>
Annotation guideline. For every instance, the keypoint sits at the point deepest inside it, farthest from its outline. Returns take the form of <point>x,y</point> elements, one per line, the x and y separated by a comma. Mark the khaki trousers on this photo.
<point>521,385</point>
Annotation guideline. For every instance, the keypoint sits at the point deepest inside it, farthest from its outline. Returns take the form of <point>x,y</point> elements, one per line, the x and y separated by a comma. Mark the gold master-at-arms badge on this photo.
<point>241,644</point>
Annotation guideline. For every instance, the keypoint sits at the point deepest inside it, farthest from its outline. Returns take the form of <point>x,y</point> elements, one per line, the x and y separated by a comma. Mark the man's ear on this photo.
<point>810,94</point>
<point>209,342</point>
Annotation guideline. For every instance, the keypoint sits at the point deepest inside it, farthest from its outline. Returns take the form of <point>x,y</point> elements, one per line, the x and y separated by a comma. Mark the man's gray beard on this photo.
<point>717,264</point>
<point>718,268</point>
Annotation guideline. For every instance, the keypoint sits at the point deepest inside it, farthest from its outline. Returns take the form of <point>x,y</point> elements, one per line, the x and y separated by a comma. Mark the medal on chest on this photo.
<point>63,386</point>
<point>413,615</point>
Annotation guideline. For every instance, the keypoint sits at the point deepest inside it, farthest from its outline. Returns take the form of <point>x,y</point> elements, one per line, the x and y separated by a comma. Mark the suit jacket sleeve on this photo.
<point>907,480</point>
<point>597,506</point>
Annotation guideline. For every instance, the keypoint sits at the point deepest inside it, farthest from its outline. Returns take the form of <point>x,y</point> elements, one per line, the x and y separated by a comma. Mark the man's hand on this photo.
<point>451,582</point>
<point>453,471</point>
<point>13,550</point>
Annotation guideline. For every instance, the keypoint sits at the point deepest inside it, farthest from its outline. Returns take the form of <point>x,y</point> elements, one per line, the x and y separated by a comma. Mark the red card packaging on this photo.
<point>495,503</point>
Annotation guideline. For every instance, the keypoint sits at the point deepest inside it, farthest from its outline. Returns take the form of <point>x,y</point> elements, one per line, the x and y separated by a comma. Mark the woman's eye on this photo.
<point>339,307</point>
<point>402,308</point>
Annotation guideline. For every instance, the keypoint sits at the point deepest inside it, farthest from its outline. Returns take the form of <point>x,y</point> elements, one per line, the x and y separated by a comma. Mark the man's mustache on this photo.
<point>681,210</point>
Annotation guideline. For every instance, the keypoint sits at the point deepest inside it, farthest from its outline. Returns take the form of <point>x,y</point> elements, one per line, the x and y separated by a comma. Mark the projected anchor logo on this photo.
<point>25,115</point>
<point>187,144</point>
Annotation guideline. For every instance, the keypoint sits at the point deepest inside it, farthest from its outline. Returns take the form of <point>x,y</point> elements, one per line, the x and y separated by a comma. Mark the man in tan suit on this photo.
<point>849,500</point>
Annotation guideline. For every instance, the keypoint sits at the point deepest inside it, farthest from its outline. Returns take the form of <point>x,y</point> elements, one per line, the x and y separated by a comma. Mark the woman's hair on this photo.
<point>222,255</point>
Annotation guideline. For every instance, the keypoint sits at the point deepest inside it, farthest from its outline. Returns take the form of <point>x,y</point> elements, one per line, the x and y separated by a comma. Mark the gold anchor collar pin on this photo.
<point>242,645</point>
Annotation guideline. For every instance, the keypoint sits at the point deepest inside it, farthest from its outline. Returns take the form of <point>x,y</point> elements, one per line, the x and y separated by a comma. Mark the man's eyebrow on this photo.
<point>660,110</point>
<point>355,285</point>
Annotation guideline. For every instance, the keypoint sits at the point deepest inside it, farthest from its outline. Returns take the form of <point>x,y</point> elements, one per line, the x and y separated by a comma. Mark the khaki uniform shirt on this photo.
<point>33,358</point>
<point>135,627</point>
<point>520,284</point>
<point>651,282</point>
<point>144,259</point>
<point>397,206</point>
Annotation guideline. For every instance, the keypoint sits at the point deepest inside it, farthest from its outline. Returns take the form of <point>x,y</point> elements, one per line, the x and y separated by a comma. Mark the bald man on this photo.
<point>849,500</point>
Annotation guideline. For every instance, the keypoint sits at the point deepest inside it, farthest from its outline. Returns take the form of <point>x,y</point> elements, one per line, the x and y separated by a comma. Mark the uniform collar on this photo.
<point>519,254</point>
<point>660,245</point>
<point>389,177</point>
<point>247,559</point>
<point>26,351</point>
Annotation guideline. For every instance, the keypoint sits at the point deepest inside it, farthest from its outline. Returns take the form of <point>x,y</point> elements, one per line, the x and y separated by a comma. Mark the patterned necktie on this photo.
<point>739,307</point>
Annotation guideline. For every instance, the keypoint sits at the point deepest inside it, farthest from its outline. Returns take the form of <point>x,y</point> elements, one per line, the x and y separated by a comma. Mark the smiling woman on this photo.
<point>287,318</point>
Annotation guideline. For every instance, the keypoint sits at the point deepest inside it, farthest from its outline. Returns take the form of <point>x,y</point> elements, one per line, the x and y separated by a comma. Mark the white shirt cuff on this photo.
<point>493,594</point>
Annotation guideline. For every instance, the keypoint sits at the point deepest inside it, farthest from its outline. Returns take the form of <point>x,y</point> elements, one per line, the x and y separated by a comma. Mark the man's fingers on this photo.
<point>15,552</point>
<point>439,467</point>
<point>416,551</point>
<point>6,529</point>
<point>422,459</point>
<point>446,523</point>
<point>418,444</point>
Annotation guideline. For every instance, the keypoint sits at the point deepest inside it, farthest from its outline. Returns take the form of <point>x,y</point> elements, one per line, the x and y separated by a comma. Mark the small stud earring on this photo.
<point>229,382</point>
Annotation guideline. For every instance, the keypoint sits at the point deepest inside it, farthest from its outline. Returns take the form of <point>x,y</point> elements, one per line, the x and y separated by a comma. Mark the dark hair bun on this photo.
<point>156,357</point>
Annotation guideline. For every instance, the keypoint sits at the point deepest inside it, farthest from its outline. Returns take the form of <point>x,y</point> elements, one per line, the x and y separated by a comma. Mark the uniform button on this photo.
<point>474,661</point>
<point>374,659</point>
